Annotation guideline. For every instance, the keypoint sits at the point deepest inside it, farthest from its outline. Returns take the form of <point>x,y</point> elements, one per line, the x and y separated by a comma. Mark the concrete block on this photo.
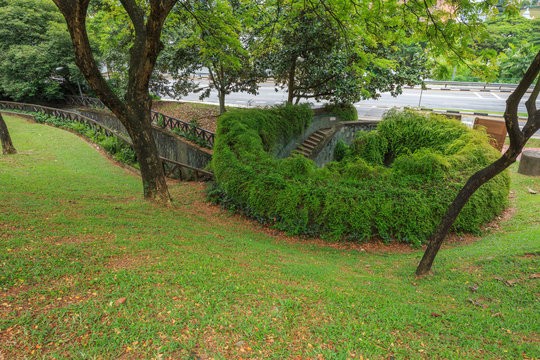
<point>530,163</point>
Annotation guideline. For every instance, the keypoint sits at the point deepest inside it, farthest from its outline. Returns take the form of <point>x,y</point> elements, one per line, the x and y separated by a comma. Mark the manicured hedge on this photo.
<point>346,112</point>
<point>394,183</point>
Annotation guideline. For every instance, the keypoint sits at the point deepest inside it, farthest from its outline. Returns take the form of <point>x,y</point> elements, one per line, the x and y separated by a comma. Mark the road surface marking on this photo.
<point>477,94</point>
<point>240,101</point>
<point>496,96</point>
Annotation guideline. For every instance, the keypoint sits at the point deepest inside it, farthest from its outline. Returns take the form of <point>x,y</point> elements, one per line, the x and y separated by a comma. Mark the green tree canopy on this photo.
<point>504,30</point>
<point>36,56</point>
<point>220,40</point>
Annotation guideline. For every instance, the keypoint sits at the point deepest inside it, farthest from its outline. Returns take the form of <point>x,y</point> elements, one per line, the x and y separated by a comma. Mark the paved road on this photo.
<point>439,99</point>
<point>475,101</point>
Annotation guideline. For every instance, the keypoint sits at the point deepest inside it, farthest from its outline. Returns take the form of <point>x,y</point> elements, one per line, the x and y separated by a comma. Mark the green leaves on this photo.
<point>393,183</point>
<point>35,51</point>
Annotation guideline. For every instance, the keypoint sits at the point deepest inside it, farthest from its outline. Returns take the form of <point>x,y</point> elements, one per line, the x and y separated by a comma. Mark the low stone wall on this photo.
<point>25,116</point>
<point>172,146</point>
<point>345,131</point>
<point>169,145</point>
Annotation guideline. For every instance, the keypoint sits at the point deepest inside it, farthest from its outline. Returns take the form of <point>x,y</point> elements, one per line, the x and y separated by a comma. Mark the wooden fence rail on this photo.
<point>172,168</point>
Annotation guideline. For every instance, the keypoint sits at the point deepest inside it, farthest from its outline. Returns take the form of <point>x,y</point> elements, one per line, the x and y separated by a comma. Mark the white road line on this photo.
<point>260,102</point>
<point>496,96</point>
<point>477,94</point>
<point>240,102</point>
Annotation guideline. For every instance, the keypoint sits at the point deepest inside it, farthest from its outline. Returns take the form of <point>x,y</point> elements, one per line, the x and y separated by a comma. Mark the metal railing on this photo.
<point>84,101</point>
<point>171,168</point>
<point>191,132</point>
<point>486,86</point>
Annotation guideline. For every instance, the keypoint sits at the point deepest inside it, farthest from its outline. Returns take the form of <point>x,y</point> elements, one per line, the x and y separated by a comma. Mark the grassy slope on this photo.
<point>75,237</point>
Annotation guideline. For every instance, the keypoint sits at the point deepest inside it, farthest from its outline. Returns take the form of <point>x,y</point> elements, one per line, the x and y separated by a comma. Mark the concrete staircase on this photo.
<point>310,144</point>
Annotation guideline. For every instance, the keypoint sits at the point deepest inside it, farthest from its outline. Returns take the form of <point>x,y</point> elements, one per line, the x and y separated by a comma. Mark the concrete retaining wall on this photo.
<point>346,132</point>
<point>169,145</point>
<point>284,149</point>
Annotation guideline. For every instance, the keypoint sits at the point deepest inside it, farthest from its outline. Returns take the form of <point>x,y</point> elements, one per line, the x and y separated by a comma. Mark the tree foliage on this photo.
<point>344,51</point>
<point>507,48</point>
<point>505,30</point>
<point>219,41</point>
<point>36,57</point>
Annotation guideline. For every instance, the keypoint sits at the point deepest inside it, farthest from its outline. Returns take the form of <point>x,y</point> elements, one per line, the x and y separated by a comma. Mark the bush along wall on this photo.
<point>393,183</point>
<point>346,112</point>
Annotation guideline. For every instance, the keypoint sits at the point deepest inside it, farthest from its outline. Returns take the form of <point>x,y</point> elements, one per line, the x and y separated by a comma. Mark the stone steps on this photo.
<point>307,147</point>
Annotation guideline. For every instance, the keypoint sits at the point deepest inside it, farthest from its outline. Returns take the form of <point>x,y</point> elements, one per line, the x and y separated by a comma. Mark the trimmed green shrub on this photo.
<point>394,183</point>
<point>346,112</point>
<point>341,150</point>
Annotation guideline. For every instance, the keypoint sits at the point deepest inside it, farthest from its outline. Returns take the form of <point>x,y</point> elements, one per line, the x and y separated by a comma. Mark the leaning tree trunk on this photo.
<point>134,110</point>
<point>5,139</point>
<point>518,139</point>
<point>140,131</point>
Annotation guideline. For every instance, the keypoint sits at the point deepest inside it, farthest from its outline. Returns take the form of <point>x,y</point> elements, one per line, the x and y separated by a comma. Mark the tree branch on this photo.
<point>146,48</point>
<point>136,14</point>
<point>530,104</point>
<point>74,11</point>
<point>512,103</point>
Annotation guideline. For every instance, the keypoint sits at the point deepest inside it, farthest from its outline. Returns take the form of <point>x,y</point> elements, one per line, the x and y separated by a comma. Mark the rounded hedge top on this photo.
<point>394,183</point>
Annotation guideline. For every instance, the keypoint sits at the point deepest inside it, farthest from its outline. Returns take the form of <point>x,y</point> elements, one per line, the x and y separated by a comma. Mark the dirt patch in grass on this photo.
<point>7,231</point>
<point>529,255</point>
<point>128,261</point>
<point>204,116</point>
<point>193,195</point>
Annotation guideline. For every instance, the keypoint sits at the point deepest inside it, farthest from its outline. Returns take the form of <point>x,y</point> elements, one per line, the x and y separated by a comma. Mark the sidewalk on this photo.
<point>505,147</point>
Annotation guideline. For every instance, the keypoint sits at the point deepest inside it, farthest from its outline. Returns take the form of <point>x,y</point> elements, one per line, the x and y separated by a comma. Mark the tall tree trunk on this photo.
<point>221,95</point>
<point>518,139</point>
<point>5,139</point>
<point>154,184</point>
<point>290,82</point>
<point>134,112</point>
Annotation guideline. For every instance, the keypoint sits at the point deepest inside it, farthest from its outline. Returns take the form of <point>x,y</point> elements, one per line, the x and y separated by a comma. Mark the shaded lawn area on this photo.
<point>90,271</point>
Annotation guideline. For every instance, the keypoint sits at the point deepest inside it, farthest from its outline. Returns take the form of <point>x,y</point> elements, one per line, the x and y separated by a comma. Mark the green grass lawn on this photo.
<point>532,143</point>
<point>76,239</point>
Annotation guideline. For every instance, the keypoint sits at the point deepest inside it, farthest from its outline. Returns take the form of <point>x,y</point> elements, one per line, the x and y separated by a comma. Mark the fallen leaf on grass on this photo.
<point>478,303</point>
<point>435,315</point>
<point>507,282</point>
<point>473,288</point>
<point>121,301</point>
<point>511,282</point>
<point>531,191</point>
<point>534,276</point>
<point>497,315</point>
